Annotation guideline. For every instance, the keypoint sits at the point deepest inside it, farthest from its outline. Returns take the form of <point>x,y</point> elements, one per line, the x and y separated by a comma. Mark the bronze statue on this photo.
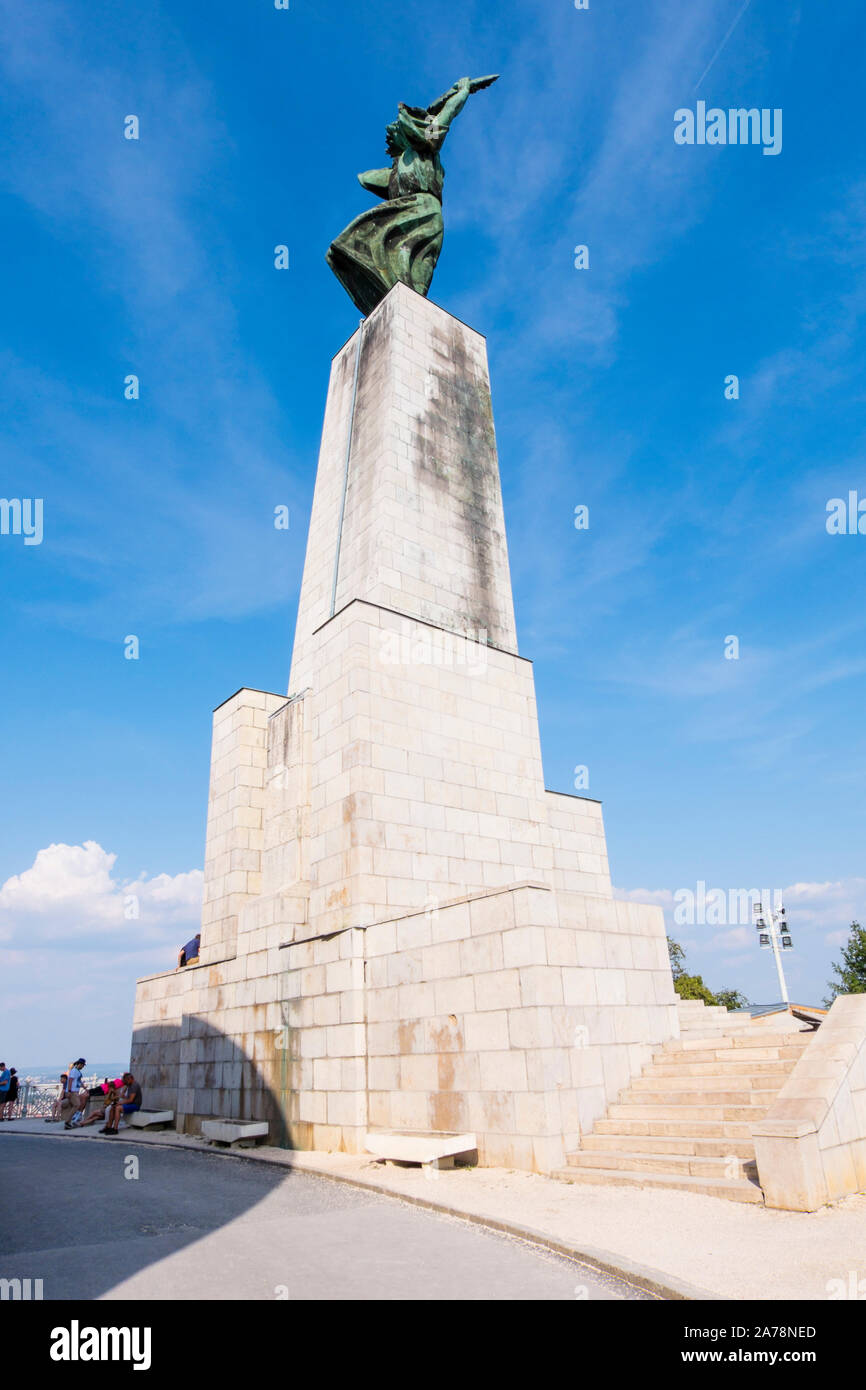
<point>401,238</point>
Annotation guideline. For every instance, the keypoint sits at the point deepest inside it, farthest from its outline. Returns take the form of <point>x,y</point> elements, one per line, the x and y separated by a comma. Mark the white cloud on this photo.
<point>833,905</point>
<point>819,913</point>
<point>70,894</point>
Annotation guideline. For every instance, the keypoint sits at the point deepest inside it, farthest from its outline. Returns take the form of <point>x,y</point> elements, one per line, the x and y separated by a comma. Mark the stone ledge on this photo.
<point>418,912</point>
<point>142,1118</point>
<point>407,1146</point>
<point>184,970</point>
<point>233,1132</point>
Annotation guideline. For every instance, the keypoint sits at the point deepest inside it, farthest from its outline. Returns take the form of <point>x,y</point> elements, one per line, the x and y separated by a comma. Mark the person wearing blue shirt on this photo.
<point>189,953</point>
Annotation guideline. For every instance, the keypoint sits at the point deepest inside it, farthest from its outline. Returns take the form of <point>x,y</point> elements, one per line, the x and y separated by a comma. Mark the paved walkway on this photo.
<point>100,1218</point>
<point>687,1244</point>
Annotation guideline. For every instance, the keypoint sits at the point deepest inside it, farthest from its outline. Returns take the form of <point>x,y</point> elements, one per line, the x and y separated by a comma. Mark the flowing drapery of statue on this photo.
<point>400,239</point>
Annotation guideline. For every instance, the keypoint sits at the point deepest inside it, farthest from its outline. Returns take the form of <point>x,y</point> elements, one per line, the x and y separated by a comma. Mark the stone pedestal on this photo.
<point>402,927</point>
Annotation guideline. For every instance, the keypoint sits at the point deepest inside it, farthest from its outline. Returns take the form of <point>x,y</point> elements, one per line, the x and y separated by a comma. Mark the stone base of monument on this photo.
<point>413,1146</point>
<point>403,927</point>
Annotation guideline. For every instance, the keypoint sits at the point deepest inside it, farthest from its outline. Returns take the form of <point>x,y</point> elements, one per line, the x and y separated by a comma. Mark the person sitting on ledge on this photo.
<point>111,1090</point>
<point>61,1096</point>
<point>126,1103</point>
<point>189,953</point>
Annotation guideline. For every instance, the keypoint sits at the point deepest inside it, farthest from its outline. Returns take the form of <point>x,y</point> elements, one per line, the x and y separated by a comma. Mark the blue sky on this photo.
<point>707,515</point>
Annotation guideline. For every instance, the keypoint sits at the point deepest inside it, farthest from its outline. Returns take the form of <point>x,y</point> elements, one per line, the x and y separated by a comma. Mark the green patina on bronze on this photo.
<point>400,239</point>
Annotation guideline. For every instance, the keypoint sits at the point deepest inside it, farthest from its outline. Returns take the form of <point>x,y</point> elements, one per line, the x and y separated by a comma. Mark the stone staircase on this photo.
<point>686,1121</point>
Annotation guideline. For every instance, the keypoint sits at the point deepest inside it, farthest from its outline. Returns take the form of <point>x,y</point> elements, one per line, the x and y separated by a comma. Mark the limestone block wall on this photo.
<point>426,774</point>
<point>325,1041</point>
<point>286,813</point>
<point>514,1013</point>
<point>811,1144</point>
<point>407,510</point>
<point>485,1014</point>
<point>578,849</point>
<point>208,1042</point>
<point>236,800</point>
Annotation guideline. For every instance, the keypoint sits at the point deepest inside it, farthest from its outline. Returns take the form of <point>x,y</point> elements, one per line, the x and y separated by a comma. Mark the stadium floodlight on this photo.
<point>773,934</point>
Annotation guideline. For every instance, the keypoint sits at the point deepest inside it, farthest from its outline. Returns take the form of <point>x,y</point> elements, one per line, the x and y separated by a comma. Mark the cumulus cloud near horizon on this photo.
<point>71,893</point>
<point>827,906</point>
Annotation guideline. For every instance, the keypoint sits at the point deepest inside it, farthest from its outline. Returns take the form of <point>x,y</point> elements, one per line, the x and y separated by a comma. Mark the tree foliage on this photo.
<point>851,971</point>
<point>693,987</point>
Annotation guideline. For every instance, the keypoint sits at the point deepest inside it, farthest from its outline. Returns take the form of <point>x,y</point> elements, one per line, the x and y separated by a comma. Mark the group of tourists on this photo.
<point>114,1100</point>
<point>8,1091</point>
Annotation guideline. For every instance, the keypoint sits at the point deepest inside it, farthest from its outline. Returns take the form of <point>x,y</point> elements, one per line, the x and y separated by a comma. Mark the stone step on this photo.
<point>730,1055</point>
<point>718,1081</point>
<point>684,1065</point>
<point>691,1044</point>
<point>709,1029</point>
<point>736,1095</point>
<point>736,1190</point>
<point>705,1020</point>
<point>686,1122</point>
<point>625,1141</point>
<point>720,1113</point>
<point>709,1013</point>
<point>689,1165</point>
<point>658,1125</point>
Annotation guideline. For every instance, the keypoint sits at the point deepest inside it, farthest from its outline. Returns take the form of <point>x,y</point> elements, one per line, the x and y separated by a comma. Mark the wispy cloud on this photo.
<point>150,214</point>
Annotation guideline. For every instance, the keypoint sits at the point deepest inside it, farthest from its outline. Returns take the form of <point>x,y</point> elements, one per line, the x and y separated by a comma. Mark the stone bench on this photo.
<point>240,1132</point>
<point>433,1150</point>
<point>142,1119</point>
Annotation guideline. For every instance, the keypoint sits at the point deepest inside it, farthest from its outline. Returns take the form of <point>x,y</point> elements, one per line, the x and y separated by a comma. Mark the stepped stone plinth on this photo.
<point>403,928</point>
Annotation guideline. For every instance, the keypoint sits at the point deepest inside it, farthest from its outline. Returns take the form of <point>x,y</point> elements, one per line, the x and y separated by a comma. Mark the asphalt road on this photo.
<point>210,1226</point>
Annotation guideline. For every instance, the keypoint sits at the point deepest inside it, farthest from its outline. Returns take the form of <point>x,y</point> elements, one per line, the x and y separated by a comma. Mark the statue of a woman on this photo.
<point>400,239</point>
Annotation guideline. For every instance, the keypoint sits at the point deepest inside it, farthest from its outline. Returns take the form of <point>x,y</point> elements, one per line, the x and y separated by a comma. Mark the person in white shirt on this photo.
<point>76,1094</point>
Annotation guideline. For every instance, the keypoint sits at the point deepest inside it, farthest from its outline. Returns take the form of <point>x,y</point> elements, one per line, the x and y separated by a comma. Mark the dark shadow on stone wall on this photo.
<point>200,1073</point>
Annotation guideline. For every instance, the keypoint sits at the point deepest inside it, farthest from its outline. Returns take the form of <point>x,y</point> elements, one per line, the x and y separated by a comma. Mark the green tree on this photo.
<point>851,971</point>
<point>693,987</point>
<point>731,999</point>
<point>677,957</point>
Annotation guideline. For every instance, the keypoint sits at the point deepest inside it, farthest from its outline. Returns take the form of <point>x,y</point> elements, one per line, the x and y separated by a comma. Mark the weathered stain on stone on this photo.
<point>407,1037</point>
<point>497,1109</point>
<point>446,1036</point>
<point>447,1111</point>
<point>461,413</point>
<point>356,537</point>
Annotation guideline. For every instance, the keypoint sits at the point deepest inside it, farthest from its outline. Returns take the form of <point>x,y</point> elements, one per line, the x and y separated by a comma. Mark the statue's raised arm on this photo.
<point>451,103</point>
<point>400,238</point>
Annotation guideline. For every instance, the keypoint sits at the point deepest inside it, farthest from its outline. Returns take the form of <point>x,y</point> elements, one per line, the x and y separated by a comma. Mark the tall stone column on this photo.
<point>407,512</point>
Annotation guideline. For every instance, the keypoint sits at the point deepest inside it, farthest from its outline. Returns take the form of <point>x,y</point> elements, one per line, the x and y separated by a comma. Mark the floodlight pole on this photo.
<point>774,939</point>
